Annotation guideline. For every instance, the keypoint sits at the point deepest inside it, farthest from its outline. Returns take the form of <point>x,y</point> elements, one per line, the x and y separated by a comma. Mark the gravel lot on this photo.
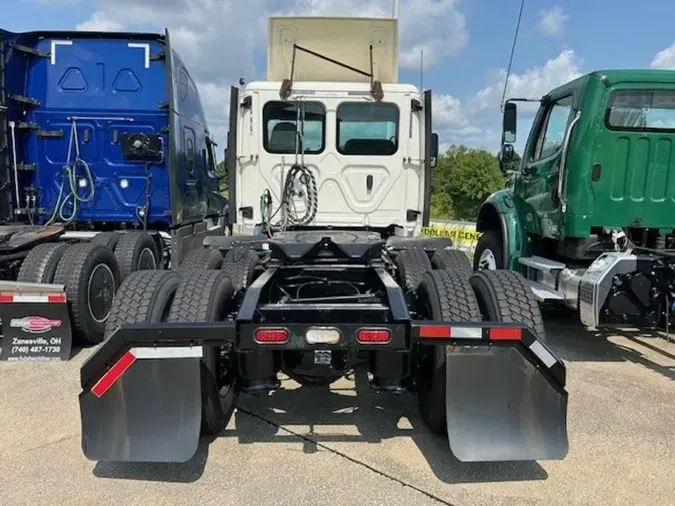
<point>314,446</point>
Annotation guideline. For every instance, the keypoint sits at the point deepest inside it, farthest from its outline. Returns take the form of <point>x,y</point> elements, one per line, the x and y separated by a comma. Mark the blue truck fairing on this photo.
<point>100,89</point>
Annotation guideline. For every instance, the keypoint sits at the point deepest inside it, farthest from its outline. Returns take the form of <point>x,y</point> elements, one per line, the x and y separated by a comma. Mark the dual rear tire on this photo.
<point>186,295</point>
<point>91,273</point>
<point>456,295</point>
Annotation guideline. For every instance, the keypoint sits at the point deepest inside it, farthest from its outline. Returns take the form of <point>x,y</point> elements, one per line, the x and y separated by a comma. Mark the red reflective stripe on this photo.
<point>6,297</point>
<point>506,334</point>
<point>113,374</point>
<point>435,332</point>
<point>57,298</point>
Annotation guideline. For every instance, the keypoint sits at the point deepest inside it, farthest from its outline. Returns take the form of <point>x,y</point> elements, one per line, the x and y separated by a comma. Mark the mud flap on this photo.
<point>35,323</point>
<point>503,405</point>
<point>147,407</point>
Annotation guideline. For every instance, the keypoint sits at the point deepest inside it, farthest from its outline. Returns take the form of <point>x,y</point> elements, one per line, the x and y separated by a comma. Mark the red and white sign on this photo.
<point>34,324</point>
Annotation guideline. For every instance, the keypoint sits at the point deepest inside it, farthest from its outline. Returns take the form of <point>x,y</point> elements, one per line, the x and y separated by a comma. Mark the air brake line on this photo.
<point>299,172</point>
<point>69,173</point>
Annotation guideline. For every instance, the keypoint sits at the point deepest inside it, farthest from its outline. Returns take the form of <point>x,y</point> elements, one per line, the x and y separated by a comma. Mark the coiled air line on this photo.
<point>297,173</point>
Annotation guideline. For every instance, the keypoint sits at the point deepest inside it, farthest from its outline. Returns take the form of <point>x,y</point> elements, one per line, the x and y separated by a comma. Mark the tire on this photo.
<point>239,265</point>
<point>109,239</point>
<point>203,296</point>
<point>143,297</point>
<point>136,251</point>
<point>443,295</point>
<point>504,296</point>
<point>41,263</point>
<point>205,258</point>
<point>411,265</point>
<point>91,276</point>
<point>451,259</point>
<point>490,243</point>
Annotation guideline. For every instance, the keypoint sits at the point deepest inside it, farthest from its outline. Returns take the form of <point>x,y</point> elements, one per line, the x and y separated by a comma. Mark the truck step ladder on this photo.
<point>541,264</point>
<point>544,293</point>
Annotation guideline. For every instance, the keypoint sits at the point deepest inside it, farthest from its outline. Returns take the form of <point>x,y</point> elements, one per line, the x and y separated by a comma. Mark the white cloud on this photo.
<point>217,39</point>
<point>552,21</point>
<point>477,120</point>
<point>664,59</point>
<point>99,22</point>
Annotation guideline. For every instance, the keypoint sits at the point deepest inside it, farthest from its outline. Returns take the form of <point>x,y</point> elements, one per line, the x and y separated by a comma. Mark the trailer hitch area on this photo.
<point>141,398</point>
<point>505,392</point>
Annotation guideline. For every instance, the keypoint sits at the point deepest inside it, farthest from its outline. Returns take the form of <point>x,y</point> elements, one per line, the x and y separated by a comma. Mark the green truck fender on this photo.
<point>499,213</point>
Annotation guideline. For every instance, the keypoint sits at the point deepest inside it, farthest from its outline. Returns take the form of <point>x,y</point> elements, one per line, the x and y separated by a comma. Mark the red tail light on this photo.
<point>373,336</point>
<point>273,336</point>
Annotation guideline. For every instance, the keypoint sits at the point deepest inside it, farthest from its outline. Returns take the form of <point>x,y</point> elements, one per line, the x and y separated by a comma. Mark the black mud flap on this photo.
<point>505,397</point>
<point>145,407</point>
<point>502,405</point>
<point>35,324</point>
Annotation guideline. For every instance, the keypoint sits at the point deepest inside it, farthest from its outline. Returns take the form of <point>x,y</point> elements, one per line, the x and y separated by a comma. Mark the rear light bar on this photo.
<point>373,336</point>
<point>271,336</point>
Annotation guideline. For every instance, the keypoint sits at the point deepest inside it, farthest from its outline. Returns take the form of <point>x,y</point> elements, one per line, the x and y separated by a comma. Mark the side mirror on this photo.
<point>509,123</point>
<point>434,149</point>
<point>506,156</point>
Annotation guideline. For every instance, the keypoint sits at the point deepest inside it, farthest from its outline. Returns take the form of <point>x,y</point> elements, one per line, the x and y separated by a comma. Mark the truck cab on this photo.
<point>330,139</point>
<point>596,181</point>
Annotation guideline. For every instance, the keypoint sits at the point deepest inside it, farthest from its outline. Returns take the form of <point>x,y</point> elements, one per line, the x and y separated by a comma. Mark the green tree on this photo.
<point>463,178</point>
<point>222,184</point>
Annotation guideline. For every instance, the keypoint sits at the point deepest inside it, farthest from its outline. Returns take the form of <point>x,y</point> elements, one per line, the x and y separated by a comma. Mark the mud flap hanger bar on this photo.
<point>502,334</point>
<point>219,333</point>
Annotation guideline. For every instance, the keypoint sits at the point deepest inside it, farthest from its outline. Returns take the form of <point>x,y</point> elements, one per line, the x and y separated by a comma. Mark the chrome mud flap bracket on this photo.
<point>597,281</point>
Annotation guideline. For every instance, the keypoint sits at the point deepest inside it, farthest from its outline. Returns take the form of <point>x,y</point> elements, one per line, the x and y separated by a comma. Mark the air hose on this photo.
<point>70,175</point>
<point>289,214</point>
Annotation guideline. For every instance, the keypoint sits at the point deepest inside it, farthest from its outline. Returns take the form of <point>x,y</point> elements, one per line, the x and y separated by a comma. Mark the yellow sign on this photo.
<point>463,234</point>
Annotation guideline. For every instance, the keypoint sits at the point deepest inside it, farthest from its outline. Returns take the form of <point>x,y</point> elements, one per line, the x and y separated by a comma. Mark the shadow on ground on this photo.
<point>573,343</point>
<point>369,418</point>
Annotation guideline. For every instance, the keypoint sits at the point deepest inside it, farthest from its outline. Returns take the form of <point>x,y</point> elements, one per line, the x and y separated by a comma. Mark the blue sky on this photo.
<point>467,44</point>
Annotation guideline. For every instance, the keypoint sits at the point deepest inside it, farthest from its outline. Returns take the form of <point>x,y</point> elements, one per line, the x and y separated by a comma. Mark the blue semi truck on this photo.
<point>107,166</point>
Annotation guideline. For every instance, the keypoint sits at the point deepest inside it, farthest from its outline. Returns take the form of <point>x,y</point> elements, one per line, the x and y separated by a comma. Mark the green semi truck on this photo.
<point>589,216</point>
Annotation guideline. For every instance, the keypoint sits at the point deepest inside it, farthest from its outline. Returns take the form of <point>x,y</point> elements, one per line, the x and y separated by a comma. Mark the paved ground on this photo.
<point>314,447</point>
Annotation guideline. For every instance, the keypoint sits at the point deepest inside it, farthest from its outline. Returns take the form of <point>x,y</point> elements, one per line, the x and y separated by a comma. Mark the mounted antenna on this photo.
<point>513,50</point>
<point>422,71</point>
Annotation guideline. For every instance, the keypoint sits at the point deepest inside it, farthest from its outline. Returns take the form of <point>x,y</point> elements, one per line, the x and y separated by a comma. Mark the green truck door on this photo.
<point>541,167</point>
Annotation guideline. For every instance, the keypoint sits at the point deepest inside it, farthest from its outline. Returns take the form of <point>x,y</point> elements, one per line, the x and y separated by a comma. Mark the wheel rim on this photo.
<point>100,292</point>
<point>487,260</point>
<point>146,260</point>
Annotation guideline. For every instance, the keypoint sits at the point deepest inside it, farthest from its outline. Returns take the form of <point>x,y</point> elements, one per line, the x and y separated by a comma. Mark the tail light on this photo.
<point>271,336</point>
<point>373,336</point>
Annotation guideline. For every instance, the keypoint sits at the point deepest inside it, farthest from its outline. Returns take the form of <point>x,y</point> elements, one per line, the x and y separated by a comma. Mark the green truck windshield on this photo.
<point>641,111</point>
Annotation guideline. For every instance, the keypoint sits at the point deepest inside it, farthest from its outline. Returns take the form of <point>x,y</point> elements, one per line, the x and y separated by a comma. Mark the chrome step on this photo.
<point>541,263</point>
<point>543,292</point>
